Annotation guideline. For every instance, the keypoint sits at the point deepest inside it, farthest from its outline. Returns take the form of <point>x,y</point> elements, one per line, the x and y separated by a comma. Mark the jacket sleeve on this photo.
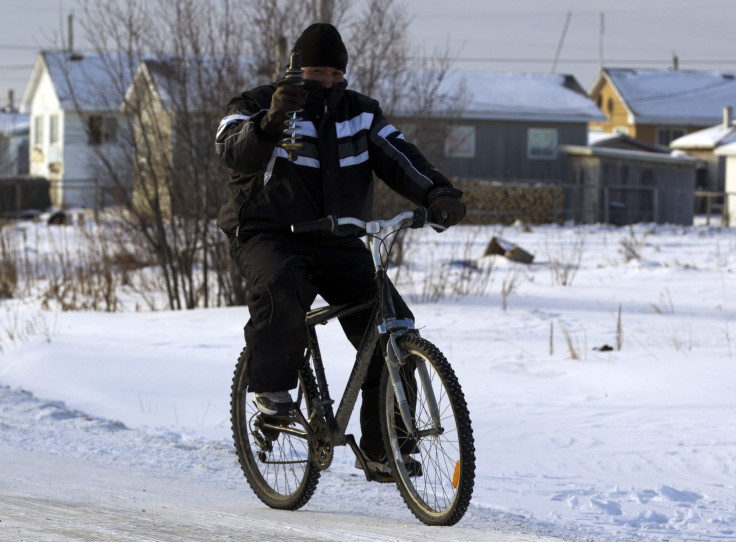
<point>403,167</point>
<point>240,143</point>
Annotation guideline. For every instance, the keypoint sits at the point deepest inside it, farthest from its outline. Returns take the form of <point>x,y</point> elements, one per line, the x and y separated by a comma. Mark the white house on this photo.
<point>74,102</point>
<point>728,151</point>
<point>702,145</point>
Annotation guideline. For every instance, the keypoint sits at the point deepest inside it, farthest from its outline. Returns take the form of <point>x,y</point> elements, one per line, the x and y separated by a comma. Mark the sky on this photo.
<point>485,35</point>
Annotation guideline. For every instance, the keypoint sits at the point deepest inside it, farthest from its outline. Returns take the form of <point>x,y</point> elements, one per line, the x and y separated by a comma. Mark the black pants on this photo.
<point>284,275</point>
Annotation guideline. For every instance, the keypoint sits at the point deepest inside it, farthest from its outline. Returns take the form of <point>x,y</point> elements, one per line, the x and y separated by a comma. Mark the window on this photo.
<point>460,142</point>
<point>541,143</point>
<point>38,131</point>
<point>665,136</point>
<point>54,129</point>
<point>102,129</point>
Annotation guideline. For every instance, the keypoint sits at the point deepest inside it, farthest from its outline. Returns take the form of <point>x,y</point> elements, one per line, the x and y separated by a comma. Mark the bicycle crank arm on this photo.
<point>288,430</point>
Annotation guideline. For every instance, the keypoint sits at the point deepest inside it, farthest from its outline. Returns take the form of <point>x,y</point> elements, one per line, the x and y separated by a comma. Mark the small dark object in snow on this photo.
<point>58,218</point>
<point>467,264</point>
<point>604,348</point>
<point>508,250</point>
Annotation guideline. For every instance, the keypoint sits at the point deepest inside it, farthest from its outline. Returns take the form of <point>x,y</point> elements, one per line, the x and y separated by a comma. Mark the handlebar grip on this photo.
<point>323,224</point>
<point>420,218</point>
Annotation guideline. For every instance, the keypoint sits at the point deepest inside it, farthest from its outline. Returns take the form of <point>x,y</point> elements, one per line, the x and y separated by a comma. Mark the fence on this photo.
<point>19,194</point>
<point>536,203</point>
<point>713,204</point>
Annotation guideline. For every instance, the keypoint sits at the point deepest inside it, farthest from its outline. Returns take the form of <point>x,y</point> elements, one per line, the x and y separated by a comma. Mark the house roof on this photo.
<point>14,123</point>
<point>726,150</point>
<point>629,154</point>
<point>175,80</point>
<point>671,97</point>
<point>623,141</point>
<point>92,82</point>
<point>708,138</point>
<point>499,96</point>
<point>519,96</point>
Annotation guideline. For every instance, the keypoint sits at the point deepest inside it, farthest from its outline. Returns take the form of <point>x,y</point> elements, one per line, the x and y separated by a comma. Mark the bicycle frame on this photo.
<point>383,331</point>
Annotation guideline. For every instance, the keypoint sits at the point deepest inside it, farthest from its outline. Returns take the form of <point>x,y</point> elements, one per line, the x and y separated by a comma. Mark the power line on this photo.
<point>509,60</point>
<point>20,47</point>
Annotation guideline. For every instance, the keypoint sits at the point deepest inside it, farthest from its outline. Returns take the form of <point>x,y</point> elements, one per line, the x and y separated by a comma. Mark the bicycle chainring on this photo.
<point>322,448</point>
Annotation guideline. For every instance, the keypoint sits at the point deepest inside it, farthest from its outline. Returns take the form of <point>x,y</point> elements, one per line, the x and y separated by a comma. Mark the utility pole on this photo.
<point>325,11</point>
<point>70,25</point>
<point>562,40</point>
<point>281,57</point>
<point>600,41</point>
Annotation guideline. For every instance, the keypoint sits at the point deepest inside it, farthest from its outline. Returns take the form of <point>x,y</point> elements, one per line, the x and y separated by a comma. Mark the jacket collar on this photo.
<point>319,98</point>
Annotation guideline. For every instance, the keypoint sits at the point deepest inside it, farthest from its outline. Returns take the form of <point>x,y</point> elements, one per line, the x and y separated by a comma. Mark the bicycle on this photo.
<point>282,459</point>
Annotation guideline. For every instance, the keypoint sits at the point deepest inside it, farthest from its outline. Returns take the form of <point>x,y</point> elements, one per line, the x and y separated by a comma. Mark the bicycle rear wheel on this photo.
<point>279,467</point>
<point>439,491</point>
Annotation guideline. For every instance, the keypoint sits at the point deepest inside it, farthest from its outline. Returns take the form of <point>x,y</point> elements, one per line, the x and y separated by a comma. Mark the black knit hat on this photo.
<point>321,45</point>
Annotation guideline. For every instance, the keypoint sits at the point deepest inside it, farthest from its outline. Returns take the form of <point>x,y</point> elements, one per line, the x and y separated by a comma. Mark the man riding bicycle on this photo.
<point>346,140</point>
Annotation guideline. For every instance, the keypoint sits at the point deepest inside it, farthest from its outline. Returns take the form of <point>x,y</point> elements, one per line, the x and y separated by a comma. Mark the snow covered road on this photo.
<point>109,483</point>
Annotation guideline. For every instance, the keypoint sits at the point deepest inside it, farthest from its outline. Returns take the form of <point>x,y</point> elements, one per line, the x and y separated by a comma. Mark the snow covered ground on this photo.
<point>588,425</point>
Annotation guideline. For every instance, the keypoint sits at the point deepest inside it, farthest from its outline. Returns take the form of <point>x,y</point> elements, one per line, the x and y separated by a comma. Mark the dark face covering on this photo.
<point>320,99</point>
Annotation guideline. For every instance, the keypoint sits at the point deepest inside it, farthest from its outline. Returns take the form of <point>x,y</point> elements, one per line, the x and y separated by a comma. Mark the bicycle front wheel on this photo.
<point>434,468</point>
<point>279,466</point>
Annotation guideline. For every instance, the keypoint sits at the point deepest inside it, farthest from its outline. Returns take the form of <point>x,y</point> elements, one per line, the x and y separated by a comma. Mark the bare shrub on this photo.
<point>565,259</point>
<point>509,284</point>
<point>631,246</point>
<point>8,265</point>
<point>665,305</point>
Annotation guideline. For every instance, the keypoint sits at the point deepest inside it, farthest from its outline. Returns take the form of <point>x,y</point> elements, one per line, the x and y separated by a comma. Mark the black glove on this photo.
<point>445,208</point>
<point>290,96</point>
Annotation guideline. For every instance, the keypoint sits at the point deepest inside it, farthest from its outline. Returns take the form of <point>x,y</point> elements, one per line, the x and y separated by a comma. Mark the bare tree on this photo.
<point>174,65</point>
<point>379,50</point>
<point>167,180</point>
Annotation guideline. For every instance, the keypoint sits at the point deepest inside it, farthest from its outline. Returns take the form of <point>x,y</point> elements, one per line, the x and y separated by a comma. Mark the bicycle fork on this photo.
<point>396,358</point>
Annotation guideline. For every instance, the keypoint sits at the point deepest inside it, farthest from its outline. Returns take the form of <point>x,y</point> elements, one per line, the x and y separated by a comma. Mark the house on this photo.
<point>176,105</point>
<point>75,123</point>
<point>728,152</point>
<point>509,125</point>
<point>658,106</point>
<point>627,185</point>
<point>702,145</point>
<point>620,180</point>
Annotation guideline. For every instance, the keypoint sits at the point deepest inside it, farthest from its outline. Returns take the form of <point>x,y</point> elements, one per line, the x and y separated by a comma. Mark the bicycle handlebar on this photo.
<point>415,219</point>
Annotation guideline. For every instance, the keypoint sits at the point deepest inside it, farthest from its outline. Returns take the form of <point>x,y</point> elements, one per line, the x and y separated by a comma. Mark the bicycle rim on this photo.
<point>441,493</point>
<point>278,466</point>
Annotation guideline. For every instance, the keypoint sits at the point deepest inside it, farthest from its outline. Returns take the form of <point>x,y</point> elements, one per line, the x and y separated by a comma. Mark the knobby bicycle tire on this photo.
<point>440,493</point>
<point>285,477</point>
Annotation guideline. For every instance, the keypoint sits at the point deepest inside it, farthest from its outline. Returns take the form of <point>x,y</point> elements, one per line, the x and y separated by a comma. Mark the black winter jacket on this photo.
<point>346,140</point>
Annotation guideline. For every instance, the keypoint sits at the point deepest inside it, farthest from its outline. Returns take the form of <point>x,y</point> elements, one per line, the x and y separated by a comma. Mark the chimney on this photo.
<point>727,117</point>
<point>70,23</point>
<point>11,98</point>
<point>325,11</point>
<point>281,58</point>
